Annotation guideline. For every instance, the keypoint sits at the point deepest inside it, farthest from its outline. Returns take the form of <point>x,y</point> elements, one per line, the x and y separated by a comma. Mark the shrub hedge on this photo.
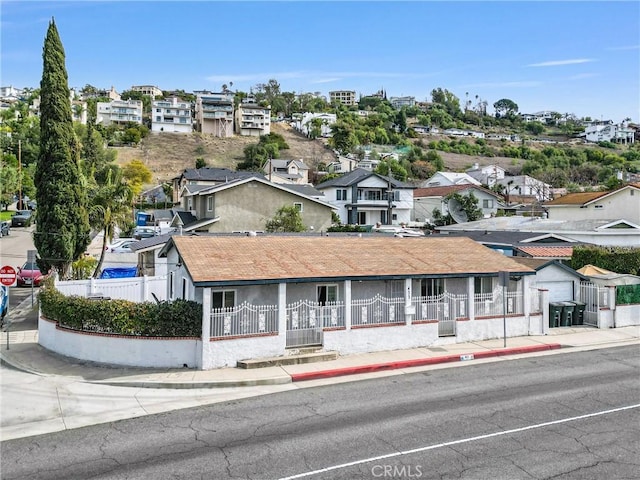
<point>616,259</point>
<point>179,318</point>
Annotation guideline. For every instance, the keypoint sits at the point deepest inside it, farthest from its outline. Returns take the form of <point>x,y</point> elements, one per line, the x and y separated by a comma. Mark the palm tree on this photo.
<point>111,207</point>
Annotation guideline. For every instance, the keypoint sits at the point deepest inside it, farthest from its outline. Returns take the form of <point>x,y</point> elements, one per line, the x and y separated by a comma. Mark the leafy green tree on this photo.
<point>505,107</point>
<point>286,219</point>
<point>468,204</point>
<point>200,162</point>
<point>8,178</point>
<point>447,100</point>
<point>343,138</point>
<point>62,227</point>
<point>397,171</point>
<point>111,208</point>
<point>536,128</point>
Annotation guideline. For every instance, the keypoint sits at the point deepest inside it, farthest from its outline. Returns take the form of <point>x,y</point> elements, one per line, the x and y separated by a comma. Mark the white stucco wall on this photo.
<point>397,337</point>
<point>226,353</point>
<point>488,328</point>
<point>118,350</point>
<point>624,204</point>
<point>627,315</point>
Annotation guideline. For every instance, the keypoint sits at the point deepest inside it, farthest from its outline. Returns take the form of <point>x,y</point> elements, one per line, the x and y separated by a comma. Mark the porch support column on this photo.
<point>471,304</point>
<point>407,300</point>
<point>282,309</point>
<point>526,295</point>
<point>347,304</point>
<point>206,328</point>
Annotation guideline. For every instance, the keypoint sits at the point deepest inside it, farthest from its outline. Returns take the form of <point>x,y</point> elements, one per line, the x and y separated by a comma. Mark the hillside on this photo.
<point>168,154</point>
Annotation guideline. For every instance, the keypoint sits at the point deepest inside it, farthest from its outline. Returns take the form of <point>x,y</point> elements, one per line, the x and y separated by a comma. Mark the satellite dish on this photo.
<point>456,211</point>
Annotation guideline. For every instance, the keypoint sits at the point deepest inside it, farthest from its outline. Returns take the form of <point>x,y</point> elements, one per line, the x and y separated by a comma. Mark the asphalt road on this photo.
<point>567,416</point>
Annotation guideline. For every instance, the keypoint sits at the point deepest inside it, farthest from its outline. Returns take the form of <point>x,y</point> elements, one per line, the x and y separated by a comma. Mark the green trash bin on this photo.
<point>578,313</point>
<point>555,311</point>
<point>566,317</point>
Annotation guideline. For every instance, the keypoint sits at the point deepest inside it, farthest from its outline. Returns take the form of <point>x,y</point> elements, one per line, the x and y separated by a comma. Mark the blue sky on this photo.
<point>570,57</point>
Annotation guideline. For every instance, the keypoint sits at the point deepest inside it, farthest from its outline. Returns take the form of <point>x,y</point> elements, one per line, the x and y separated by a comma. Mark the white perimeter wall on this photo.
<point>627,315</point>
<point>227,353</point>
<point>117,350</point>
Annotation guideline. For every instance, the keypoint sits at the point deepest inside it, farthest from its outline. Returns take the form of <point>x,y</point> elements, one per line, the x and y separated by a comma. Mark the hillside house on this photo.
<point>362,197</point>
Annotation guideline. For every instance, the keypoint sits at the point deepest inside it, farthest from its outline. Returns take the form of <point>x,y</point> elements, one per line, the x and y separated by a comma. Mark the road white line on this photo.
<point>457,442</point>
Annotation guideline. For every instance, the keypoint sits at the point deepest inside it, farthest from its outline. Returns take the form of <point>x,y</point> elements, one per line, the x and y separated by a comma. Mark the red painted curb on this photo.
<point>419,362</point>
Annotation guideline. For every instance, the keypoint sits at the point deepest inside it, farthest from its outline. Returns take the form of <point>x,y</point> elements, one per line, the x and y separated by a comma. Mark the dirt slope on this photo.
<point>168,154</point>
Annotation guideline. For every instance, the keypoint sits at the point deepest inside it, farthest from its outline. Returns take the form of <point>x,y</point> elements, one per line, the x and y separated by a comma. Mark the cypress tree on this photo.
<point>62,228</point>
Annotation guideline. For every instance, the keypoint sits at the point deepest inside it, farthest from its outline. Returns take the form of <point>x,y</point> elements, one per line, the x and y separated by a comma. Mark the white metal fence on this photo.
<point>378,310</point>
<point>306,320</point>
<point>445,308</point>
<point>594,297</point>
<point>244,320</point>
<point>135,289</point>
<point>492,304</point>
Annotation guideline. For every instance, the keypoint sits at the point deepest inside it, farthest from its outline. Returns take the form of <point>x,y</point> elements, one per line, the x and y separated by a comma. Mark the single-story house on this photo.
<point>266,294</point>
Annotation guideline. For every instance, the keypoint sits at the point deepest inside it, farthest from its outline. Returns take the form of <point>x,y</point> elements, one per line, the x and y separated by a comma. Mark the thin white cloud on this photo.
<point>326,80</point>
<point>580,76</point>
<point>556,63</point>
<point>521,84</point>
<point>624,47</point>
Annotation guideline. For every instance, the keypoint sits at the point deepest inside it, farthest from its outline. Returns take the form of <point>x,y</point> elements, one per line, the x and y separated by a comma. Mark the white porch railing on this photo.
<point>134,289</point>
<point>491,304</point>
<point>378,310</point>
<point>308,314</point>
<point>244,320</point>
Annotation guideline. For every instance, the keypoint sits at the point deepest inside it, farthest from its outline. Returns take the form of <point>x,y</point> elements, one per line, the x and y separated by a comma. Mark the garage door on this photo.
<point>558,291</point>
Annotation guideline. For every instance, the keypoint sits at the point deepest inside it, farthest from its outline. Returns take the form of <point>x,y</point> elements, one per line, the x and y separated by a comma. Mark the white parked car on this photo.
<point>121,245</point>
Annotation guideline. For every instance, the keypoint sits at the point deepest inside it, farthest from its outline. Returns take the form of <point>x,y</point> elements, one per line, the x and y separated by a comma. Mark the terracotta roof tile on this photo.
<point>273,258</point>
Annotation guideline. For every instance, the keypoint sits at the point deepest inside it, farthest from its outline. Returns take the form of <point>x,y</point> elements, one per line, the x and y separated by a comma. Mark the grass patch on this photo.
<point>5,215</point>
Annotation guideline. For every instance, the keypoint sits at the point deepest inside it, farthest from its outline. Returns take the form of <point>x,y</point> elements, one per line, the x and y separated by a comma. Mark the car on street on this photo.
<point>22,218</point>
<point>4,301</point>
<point>29,275</point>
<point>144,232</point>
<point>121,245</point>
<point>5,228</point>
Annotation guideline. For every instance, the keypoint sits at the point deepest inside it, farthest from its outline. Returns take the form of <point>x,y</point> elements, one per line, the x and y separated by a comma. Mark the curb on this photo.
<point>419,362</point>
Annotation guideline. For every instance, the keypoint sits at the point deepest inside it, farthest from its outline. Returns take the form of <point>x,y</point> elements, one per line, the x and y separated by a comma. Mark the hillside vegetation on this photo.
<point>168,154</point>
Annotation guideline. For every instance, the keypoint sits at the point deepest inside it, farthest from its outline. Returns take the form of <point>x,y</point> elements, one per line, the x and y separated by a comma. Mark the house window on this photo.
<point>298,206</point>
<point>209,204</point>
<point>185,288</point>
<point>171,280</point>
<point>362,218</point>
<point>430,287</point>
<point>341,194</point>
<point>483,285</point>
<point>158,119</point>
<point>487,203</point>
<point>394,217</point>
<point>327,293</point>
<point>599,206</point>
<point>189,203</point>
<point>223,299</point>
<point>395,289</point>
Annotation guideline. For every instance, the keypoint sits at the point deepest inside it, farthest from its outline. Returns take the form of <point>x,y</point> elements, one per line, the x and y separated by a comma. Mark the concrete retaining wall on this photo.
<point>117,349</point>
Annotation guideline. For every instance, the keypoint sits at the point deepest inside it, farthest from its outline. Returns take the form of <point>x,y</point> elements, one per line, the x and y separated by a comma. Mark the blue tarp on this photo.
<point>119,272</point>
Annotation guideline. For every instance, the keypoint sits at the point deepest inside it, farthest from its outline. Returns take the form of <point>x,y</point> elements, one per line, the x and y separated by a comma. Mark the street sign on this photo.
<point>8,276</point>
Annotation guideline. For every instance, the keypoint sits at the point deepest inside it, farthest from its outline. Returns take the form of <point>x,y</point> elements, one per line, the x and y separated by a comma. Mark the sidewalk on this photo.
<point>27,355</point>
<point>63,393</point>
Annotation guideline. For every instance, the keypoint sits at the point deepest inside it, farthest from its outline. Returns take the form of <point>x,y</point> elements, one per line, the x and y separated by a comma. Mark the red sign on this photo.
<point>8,275</point>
